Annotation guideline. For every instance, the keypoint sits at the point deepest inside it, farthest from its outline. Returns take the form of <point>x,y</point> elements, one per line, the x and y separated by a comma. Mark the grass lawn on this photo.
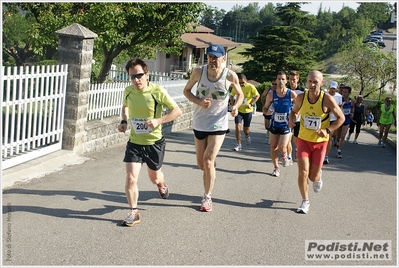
<point>236,59</point>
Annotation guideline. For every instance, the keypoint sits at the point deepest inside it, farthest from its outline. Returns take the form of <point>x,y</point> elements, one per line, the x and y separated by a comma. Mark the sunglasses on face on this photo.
<point>138,76</point>
<point>274,84</point>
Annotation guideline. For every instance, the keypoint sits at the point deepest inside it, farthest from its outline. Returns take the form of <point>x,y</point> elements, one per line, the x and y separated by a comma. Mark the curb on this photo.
<point>375,133</point>
<point>40,167</point>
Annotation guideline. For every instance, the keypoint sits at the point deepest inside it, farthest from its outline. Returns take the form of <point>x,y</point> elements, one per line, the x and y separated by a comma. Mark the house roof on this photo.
<point>198,28</point>
<point>203,40</point>
<point>253,82</point>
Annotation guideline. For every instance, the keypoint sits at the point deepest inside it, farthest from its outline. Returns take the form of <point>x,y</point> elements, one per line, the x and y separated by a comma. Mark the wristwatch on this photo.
<point>328,131</point>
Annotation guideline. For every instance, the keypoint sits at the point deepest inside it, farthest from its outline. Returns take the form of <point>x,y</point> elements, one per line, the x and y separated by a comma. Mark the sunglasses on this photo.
<point>274,84</point>
<point>138,76</point>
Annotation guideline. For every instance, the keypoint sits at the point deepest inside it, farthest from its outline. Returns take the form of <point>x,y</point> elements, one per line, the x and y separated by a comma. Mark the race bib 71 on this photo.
<point>312,122</point>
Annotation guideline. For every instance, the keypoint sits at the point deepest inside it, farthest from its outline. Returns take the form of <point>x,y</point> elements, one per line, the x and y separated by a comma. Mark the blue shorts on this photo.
<point>247,117</point>
<point>279,130</point>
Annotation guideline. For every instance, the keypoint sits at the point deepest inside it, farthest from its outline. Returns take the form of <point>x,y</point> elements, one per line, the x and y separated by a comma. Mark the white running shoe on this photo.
<point>304,207</point>
<point>318,184</point>
<point>355,141</point>
<point>276,172</point>
<point>248,140</point>
<point>285,160</point>
<point>237,148</point>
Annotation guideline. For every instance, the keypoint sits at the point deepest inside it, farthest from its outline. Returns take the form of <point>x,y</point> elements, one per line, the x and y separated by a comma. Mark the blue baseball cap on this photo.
<point>216,50</point>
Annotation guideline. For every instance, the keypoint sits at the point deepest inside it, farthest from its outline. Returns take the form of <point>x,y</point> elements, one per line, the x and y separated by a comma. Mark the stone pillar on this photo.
<point>75,48</point>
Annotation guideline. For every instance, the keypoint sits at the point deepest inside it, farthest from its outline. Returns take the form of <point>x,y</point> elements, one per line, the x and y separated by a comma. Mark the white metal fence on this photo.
<point>33,103</point>
<point>105,100</point>
<point>120,75</point>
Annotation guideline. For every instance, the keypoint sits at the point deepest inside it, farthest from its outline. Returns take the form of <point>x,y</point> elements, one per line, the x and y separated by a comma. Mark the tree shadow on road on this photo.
<point>147,198</point>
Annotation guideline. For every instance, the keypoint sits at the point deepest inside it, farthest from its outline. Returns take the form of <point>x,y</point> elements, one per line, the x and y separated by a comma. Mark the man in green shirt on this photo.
<point>142,106</point>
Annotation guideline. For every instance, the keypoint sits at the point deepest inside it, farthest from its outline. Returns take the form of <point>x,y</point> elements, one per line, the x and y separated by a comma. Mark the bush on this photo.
<point>261,88</point>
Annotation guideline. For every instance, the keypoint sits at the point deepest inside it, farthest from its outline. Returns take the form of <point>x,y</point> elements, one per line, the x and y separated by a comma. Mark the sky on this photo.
<point>312,7</point>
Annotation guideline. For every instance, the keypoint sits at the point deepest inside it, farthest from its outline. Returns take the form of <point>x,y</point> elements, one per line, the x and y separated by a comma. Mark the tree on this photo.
<point>279,48</point>
<point>268,16</point>
<point>372,68</point>
<point>376,12</point>
<point>139,28</point>
<point>16,44</point>
<point>212,18</point>
<point>291,13</point>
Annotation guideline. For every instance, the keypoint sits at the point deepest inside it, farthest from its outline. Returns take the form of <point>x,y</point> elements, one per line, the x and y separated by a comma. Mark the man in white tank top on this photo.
<point>210,118</point>
<point>338,98</point>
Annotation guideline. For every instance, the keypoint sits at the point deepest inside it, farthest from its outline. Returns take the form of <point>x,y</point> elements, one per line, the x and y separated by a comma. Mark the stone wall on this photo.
<point>104,133</point>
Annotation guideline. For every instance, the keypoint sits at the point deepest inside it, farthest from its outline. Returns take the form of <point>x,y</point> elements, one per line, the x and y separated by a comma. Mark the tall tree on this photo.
<point>268,16</point>
<point>279,48</point>
<point>212,17</point>
<point>284,47</point>
<point>291,13</point>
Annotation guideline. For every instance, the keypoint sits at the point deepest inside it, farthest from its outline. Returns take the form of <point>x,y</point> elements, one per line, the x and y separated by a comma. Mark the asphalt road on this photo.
<point>390,40</point>
<point>72,217</point>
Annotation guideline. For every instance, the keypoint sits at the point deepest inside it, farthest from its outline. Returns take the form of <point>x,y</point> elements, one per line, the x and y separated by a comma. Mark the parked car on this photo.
<point>379,37</point>
<point>379,31</point>
<point>381,44</point>
<point>371,45</point>
<point>376,41</point>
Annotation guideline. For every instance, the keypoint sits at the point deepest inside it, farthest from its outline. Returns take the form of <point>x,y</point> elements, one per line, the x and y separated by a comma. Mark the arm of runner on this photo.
<point>295,111</point>
<point>194,78</point>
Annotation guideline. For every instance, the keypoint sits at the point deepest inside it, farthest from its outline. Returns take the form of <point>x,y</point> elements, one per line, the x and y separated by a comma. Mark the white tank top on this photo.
<point>214,118</point>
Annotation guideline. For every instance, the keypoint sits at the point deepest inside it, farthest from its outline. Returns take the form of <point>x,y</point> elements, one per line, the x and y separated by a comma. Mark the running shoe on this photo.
<point>163,191</point>
<point>304,207</point>
<point>382,145</point>
<point>248,140</point>
<point>339,155</point>
<point>379,142</point>
<point>132,218</point>
<point>206,204</point>
<point>276,172</point>
<point>326,161</point>
<point>290,161</point>
<point>355,141</point>
<point>237,148</point>
<point>286,161</point>
<point>318,184</point>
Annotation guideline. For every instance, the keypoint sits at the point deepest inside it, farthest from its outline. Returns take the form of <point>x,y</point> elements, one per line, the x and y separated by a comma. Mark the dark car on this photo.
<point>379,32</point>
<point>374,40</point>
<point>381,44</point>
